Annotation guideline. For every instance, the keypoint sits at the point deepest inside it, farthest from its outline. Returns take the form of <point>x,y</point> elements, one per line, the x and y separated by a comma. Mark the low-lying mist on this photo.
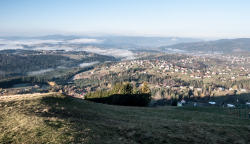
<point>63,44</point>
<point>117,53</point>
<point>88,64</point>
<point>39,72</point>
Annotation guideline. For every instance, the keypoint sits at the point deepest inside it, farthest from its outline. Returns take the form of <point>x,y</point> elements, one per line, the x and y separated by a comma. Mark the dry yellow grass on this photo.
<point>54,118</point>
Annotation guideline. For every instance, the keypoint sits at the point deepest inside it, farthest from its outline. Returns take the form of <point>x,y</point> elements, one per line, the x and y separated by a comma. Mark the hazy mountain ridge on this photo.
<point>223,45</point>
<point>110,41</point>
<point>147,41</point>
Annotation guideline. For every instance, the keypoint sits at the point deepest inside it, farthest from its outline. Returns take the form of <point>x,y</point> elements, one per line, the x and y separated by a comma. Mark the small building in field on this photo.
<point>199,89</point>
<point>243,90</point>
<point>179,104</point>
<point>198,77</point>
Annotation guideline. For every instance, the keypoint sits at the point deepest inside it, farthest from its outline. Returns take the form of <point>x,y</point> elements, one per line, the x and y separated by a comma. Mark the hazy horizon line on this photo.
<point>125,35</point>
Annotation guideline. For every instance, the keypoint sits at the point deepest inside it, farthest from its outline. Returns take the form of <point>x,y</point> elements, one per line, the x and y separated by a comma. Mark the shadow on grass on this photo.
<point>85,124</point>
<point>124,99</point>
<point>60,114</point>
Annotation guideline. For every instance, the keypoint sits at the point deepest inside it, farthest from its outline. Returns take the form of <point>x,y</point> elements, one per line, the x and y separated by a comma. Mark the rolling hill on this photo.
<point>55,118</point>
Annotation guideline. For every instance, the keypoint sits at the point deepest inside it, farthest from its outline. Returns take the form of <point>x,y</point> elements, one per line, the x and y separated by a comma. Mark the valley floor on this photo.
<point>55,118</point>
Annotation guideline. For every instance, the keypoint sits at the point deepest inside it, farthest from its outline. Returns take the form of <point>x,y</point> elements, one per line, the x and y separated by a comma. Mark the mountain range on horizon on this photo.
<point>222,45</point>
<point>114,40</point>
<point>138,42</point>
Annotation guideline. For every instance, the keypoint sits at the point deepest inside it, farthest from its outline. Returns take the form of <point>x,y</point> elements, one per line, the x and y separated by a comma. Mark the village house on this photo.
<point>198,77</point>
<point>191,87</point>
<point>181,87</point>
<point>207,76</point>
<point>221,88</point>
<point>157,85</point>
<point>199,89</point>
<point>243,90</point>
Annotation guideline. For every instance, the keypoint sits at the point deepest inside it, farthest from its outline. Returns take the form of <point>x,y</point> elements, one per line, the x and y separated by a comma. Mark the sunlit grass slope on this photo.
<point>55,118</point>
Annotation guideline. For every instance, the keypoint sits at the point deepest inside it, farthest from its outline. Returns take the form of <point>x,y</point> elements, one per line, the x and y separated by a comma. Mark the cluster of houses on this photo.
<point>236,59</point>
<point>233,59</point>
<point>198,88</point>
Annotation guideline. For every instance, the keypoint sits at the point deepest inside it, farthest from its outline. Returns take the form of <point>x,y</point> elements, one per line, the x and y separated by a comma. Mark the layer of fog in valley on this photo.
<point>117,46</point>
<point>170,50</point>
<point>66,45</point>
<point>117,53</point>
<point>88,64</point>
<point>39,72</point>
<point>43,71</point>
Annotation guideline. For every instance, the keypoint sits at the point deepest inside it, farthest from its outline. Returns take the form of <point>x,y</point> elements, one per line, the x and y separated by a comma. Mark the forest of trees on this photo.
<point>9,82</point>
<point>112,78</point>
<point>16,63</point>
<point>13,65</point>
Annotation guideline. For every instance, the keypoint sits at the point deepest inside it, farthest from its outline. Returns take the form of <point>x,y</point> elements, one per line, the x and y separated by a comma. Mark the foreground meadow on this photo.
<point>55,118</point>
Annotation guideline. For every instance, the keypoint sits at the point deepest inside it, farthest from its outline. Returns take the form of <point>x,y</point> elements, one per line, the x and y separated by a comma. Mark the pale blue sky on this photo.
<point>175,18</point>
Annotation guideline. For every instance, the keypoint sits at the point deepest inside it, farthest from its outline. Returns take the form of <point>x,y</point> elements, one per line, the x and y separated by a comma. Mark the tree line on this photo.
<point>122,94</point>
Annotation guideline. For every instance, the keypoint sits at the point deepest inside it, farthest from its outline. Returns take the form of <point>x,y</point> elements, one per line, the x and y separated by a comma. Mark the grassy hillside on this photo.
<point>56,118</point>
